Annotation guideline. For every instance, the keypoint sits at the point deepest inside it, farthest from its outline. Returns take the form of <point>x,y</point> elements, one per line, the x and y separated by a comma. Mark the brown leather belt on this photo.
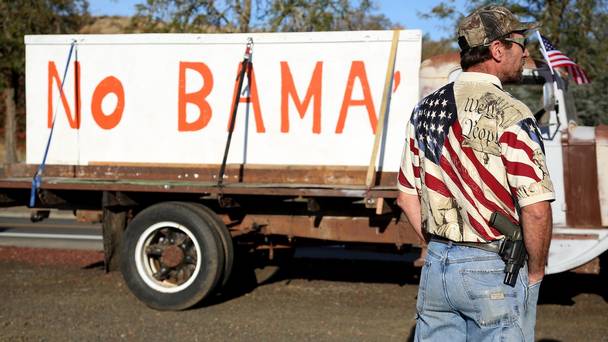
<point>493,246</point>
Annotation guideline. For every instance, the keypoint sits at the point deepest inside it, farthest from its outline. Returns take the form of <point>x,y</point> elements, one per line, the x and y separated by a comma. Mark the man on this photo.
<point>471,150</point>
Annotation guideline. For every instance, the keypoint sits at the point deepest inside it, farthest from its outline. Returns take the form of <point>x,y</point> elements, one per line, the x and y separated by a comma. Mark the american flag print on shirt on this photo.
<point>471,150</point>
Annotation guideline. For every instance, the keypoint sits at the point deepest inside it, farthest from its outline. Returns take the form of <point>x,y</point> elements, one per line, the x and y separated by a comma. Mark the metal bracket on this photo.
<point>50,198</point>
<point>117,199</point>
<point>379,204</point>
<point>226,202</point>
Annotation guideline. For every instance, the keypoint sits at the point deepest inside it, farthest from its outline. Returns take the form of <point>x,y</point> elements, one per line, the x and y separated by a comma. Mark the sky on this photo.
<point>404,12</point>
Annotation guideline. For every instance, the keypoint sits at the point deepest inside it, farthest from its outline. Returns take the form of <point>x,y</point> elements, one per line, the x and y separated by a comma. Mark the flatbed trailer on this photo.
<point>268,209</point>
<point>84,187</point>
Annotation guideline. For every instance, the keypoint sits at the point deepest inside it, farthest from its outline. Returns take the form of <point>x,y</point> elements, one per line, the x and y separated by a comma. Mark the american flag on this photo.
<point>558,60</point>
<point>437,160</point>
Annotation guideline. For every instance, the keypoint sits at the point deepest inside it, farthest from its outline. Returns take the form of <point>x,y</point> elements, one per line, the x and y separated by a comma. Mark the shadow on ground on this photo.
<point>561,288</point>
<point>247,274</point>
<point>356,271</point>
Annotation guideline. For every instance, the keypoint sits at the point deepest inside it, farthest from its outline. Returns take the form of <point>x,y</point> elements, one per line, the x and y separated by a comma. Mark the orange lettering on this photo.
<point>253,98</point>
<point>357,71</point>
<point>74,121</point>
<point>109,84</point>
<point>314,90</point>
<point>396,80</point>
<point>197,97</point>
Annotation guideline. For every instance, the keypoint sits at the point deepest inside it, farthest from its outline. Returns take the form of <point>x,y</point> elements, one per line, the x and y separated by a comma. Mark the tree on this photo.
<point>324,15</point>
<point>579,28</point>
<point>271,15</point>
<point>193,16</point>
<point>19,18</point>
<point>436,47</point>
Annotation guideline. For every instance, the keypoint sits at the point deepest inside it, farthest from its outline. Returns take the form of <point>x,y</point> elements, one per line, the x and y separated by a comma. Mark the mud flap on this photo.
<point>113,226</point>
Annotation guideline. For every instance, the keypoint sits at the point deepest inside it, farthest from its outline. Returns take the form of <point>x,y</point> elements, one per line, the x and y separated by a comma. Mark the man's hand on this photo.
<point>410,204</point>
<point>537,227</point>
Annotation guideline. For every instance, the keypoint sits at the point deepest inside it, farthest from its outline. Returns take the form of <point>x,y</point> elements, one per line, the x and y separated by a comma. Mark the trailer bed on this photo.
<point>256,180</point>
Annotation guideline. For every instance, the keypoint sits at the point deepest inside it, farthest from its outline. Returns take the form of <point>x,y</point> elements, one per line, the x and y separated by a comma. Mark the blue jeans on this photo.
<point>462,297</point>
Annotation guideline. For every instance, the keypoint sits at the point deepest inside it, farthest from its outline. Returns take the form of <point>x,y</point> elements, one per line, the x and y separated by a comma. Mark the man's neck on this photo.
<point>485,68</point>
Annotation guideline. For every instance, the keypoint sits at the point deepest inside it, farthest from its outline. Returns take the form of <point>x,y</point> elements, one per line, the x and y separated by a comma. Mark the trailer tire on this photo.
<point>172,257</point>
<point>209,215</point>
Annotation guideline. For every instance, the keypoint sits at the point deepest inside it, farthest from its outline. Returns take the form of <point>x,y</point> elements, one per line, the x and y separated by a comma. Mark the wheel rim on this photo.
<point>168,257</point>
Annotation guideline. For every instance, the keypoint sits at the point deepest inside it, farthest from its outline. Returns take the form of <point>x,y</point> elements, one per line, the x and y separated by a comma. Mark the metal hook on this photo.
<point>249,48</point>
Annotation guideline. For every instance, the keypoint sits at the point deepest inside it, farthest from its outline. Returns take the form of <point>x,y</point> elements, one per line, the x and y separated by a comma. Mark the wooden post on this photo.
<point>371,170</point>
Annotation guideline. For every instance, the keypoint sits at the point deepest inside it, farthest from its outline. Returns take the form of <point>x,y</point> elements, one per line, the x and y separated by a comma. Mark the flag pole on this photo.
<point>543,51</point>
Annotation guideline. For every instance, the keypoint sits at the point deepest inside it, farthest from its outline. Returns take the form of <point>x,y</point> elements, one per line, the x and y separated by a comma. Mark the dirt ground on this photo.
<point>58,295</point>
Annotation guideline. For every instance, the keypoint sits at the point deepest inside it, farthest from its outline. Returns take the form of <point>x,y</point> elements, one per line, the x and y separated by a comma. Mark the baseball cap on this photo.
<point>488,23</point>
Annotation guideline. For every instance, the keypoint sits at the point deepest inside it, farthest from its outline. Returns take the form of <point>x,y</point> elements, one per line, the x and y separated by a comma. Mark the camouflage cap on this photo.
<point>486,24</point>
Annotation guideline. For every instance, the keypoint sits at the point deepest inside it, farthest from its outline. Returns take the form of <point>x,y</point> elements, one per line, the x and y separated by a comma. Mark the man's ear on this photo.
<point>497,50</point>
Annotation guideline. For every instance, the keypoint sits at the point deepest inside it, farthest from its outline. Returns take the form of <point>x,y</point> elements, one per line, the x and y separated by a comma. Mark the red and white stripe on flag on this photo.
<point>558,60</point>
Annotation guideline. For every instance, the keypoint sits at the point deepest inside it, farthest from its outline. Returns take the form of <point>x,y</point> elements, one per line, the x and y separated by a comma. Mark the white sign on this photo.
<point>313,98</point>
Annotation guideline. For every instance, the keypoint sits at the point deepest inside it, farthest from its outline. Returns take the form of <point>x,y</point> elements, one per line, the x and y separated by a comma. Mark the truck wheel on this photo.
<point>172,257</point>
<point>225,237</point>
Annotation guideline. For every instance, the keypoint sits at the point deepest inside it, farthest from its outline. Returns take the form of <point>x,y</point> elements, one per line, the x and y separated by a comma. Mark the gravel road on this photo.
<point>58,295</point>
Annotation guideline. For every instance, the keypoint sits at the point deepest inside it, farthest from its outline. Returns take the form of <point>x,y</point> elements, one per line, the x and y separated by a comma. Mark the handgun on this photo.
<point>512,250</point>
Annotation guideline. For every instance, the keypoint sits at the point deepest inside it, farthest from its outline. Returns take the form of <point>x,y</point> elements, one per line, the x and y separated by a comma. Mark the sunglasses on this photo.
<point>521,41</point>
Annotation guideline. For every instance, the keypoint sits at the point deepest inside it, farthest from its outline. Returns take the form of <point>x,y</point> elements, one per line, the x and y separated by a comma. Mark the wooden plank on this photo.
<point>390,69</point>
<point>263,189</point>
<point>257,174</point>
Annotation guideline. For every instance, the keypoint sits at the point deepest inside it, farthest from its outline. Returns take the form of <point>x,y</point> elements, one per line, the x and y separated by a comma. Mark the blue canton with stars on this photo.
<point>529,126</point>
<point>432,119</point>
